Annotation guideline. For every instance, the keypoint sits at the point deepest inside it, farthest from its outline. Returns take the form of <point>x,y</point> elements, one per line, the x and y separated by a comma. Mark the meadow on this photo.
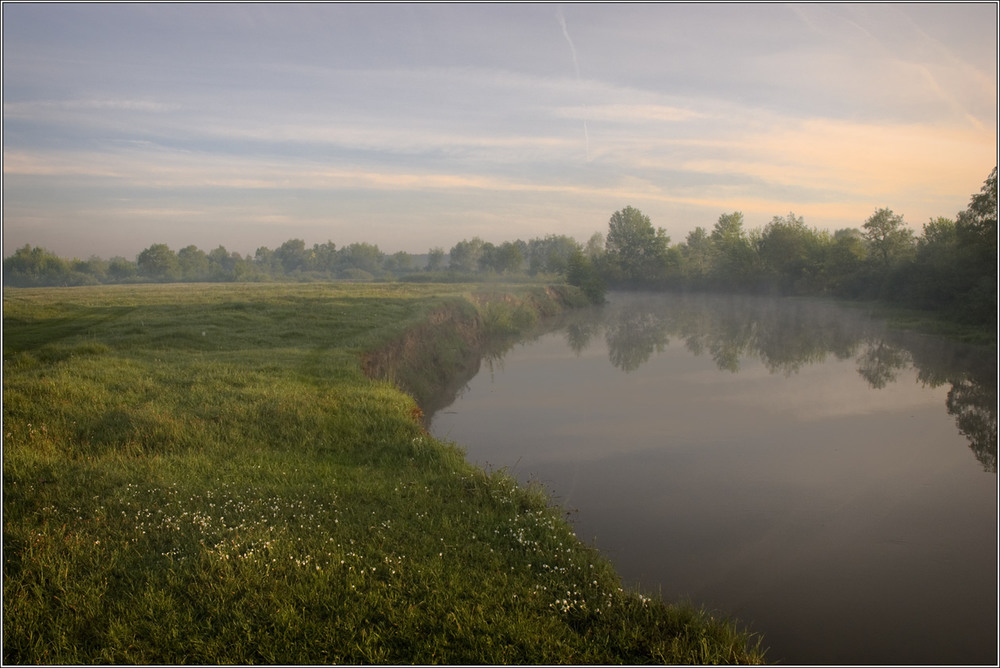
<point>206,474</point>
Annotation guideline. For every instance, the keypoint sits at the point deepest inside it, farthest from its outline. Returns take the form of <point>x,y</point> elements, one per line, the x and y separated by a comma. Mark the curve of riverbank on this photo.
<point>206,475</point>
<point>433,361</point>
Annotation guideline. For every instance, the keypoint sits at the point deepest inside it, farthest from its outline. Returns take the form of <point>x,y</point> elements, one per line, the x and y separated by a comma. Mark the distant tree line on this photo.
<point>473,259</point>
<point>951,267</point>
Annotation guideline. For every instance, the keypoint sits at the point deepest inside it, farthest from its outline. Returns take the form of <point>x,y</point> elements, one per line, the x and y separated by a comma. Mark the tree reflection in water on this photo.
<point>786,334</point>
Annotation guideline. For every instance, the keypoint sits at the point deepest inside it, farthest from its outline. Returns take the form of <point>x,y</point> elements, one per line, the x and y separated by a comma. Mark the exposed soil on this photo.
<point>433,360</point>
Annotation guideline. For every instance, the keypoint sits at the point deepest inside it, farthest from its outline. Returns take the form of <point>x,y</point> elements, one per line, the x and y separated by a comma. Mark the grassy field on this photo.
<point>205,474</point>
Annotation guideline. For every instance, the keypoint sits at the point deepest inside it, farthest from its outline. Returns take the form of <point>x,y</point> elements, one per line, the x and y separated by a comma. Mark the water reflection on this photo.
<point>785,335</point>
<point>974,407</point>
<point>787,462</point>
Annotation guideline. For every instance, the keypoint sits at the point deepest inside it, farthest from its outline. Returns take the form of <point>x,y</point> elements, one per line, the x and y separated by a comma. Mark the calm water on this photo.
<point>826,481</point>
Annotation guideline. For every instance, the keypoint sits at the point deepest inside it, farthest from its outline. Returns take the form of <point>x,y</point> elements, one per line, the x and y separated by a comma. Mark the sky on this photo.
<point>414,126</point>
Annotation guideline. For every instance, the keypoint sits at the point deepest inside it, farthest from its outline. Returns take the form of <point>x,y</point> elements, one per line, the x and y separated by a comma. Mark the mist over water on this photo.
<point>793,463</point>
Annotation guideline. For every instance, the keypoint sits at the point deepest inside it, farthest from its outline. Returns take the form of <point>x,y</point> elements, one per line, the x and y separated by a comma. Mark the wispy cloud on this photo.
<point>576,67</point>
<point>33,108</point>
<point>426,124</point>
<point>628,113</point>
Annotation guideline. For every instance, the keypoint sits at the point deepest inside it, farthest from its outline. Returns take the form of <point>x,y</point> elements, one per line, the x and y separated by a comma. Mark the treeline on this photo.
<point>951,267</point>
<point>468,260</point>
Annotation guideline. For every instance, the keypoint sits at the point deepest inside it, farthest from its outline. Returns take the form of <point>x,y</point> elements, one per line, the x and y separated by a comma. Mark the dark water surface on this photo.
<point>793,464</point>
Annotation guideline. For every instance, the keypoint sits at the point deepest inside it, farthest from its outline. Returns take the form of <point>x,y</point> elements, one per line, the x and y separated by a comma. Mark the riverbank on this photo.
<point>929,322</point>
<point>206,474</point>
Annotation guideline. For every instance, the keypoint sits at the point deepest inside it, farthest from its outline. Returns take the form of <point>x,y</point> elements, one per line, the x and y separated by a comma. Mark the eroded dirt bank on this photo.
<point>433,360</point>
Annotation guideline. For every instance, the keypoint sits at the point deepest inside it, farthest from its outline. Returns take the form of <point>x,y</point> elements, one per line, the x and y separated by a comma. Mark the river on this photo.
<point>791,463</point>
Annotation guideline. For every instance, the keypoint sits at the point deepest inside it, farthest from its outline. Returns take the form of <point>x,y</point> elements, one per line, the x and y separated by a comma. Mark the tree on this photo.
<point>976,229</point>
<point>267,262</point>
<point>508,258</point>
<point>94,269</point>
<point>292,256</point>
<point>435,259</point>
<point>887,236</point>
<point>465,255</point>
<point>158,263</point>
<point>222,265</point>
<point>581,272</point>
<point>487,257</point>
<point>550,254</point>
<point>843,263</point>
<point>193,263</point>
<point>735,257</point>
<point>364,256</point>
<point>34,266</point>
<point>636,249</point>
<point>503,259</point>
<point>697,253</point>
<point>121,269</point>
<point>324,257</point>
<point>594,249</point>
<point>978,223</point>
<point>400,262</point>
<point>728,230</point>
<point>936,278</point>
<point>790,252</point>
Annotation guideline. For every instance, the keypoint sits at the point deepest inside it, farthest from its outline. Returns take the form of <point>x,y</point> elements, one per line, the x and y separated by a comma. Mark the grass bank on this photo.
<point>206,474</point>
<point>928,322</point>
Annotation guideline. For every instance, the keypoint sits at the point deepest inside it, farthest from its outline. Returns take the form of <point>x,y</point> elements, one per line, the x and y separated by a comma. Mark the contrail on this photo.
<point>576,66</point>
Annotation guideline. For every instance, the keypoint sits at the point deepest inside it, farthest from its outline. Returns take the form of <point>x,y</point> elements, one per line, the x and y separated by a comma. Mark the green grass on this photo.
<point>204,474</point>
<point>928,322</point>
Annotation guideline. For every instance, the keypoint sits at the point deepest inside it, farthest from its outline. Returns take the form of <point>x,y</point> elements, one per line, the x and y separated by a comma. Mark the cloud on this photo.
<point>32,109</point>
<point>442,113</point>
<point>628,113</point>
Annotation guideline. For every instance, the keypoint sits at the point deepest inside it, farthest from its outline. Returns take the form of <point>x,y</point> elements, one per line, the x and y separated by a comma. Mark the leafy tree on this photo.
<point>397,263</point>
<point>222,264</point>
<point>976,229</point>
<point>634,247</point>
<point>487,257</point>
<point>580,271</point>
<point>94,269</point>
<point>508,258</point>
<point>465,255</point>
<point>158,263</point>
<point>242,266</point>
<point>728,230</point>
<point>34,266</point>
<point>978,223</point>
<point>594,249</point>
<point>324,257</point>
<point>935,278</point>
<point>364,256</point>
<point>293,256</point>
<point>697,253</point>
<point>735,256</point>
<point>193,263</point>
<point>551,253</point>
<point>267,262</point>
<point>843,263</point>
<point>121,269</point>
<point>435,259</point>
<point>790,253</point>
<point>887,236</point>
